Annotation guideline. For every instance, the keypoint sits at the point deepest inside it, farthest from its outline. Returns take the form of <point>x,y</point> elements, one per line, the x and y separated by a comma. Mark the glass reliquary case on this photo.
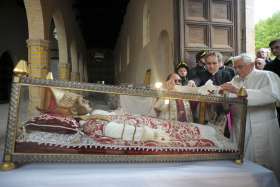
<point>60,121</point>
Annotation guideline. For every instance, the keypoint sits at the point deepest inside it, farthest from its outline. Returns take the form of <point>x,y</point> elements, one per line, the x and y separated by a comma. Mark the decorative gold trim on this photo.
<point>134,132</point>
<point>202,110</point>
<point>21,68</point>
<point>49,76</point>
<point>95,116</point>
<point>242,129</point>
<point>147,79</point>
<point>86,158</point>
<point>7,166</point>
<point>238,161</point>
<point>12,122</point>
<point>242,92</point>
<point>124,125</point>
<point>119,90</point>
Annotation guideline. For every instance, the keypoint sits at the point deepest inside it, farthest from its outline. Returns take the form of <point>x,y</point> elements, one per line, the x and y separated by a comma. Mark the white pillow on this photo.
<point>100,112</point>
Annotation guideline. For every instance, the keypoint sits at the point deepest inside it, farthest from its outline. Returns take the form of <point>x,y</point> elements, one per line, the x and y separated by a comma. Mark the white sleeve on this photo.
<point>260,97</point>
<point>270,93</point>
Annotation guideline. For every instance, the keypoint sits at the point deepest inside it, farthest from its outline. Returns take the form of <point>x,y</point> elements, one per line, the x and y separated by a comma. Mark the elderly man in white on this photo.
<point>262,130</point>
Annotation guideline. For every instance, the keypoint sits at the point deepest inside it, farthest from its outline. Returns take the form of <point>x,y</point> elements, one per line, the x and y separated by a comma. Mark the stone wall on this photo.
<point>145,42</point>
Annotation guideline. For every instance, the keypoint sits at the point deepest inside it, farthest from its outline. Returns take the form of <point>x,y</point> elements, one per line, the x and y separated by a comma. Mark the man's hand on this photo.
<point>191,83</point>
<point>229,87</point>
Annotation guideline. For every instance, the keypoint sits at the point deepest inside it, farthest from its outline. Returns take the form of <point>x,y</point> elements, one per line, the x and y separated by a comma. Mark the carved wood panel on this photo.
<point>196,35</point>
<point>208,24</point>
<point>221,37</point>
<point>221,11</point>
<point>196,10</point>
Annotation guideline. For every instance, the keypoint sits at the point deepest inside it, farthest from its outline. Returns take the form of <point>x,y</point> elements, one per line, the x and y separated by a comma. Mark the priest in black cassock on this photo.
<point>218,77</point>
<point>274,65</point>
<point>212,72</point>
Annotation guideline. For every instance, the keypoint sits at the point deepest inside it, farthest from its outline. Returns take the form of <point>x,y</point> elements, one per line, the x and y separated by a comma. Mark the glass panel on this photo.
<point>78,121</point>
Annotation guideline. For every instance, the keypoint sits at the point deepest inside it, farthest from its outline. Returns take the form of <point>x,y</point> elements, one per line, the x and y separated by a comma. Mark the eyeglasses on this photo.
<point>177,81</point>
<point>239,66</point>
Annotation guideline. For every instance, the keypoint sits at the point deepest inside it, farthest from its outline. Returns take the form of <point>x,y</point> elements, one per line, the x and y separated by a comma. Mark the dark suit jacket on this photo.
<point>218,78</point>
<point>230,70</point>
<point>273,66</point>
<point>195,72</point>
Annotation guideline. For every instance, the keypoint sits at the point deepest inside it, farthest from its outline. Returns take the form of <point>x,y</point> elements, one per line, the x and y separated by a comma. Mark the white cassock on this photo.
<point>262,138</point>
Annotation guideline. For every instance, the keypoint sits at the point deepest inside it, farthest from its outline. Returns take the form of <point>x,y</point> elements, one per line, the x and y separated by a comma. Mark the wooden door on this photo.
<point>209,24</point>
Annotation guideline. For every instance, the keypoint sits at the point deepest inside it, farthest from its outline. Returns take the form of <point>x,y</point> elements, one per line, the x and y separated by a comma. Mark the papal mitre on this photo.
<point>60,101</point>
<point>64,98</point>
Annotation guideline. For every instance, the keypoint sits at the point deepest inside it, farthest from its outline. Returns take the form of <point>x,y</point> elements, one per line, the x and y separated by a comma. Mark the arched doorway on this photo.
<point>6,76</point>
<point>74,61</point>
<point>164,62</point>
<point>54,52</point>
<point>62,44</point>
